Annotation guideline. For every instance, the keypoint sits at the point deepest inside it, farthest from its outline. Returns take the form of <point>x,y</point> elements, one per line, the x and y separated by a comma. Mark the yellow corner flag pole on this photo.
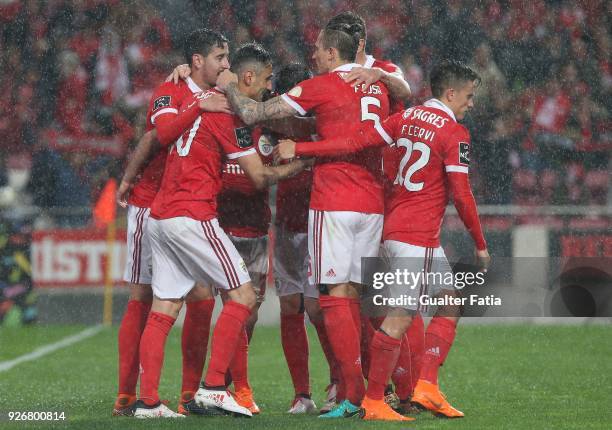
<point>105,213</point>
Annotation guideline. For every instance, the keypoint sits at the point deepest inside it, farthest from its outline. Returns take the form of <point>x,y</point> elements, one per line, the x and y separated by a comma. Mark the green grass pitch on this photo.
<point>501,376</point>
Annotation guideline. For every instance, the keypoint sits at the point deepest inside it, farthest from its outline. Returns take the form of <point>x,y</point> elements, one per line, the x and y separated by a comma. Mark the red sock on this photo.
<point>152,346</point>
<point>416,339</point>
<point>367,333</point>
<point>229,328</point>
<point>344,338</point>
<point>438,341</point>
<point>402,374</point>
<point>130,331</point>
<point>406,373</point>
<point>334,368</point>
<point>356,314</point>
<point>295,346</point>
<point>194,341</point>
<point>240,362</point>
<point>384,353</point>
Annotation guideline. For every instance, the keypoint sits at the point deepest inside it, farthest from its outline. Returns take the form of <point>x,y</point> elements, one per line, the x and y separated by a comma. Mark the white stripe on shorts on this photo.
<point>137,245</point>
<point>222,255</point>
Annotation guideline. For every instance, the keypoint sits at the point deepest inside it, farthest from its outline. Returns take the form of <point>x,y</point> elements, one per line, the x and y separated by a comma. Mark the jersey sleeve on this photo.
<point>164,101</point>
<point>466,208</point>
<point>236,140</point>
<point>367,137</point>
<point>170,127</point>
<point>389,67</point>
<point>306,95</point>
<point>456,163</point>
<point>389,129</point>
<point>457,151</point>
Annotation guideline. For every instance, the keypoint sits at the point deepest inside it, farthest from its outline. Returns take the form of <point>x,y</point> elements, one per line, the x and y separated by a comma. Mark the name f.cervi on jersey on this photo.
<point>511,287</point>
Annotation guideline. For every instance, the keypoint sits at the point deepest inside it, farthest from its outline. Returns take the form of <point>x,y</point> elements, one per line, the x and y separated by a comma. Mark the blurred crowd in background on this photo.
<point>77,76</point>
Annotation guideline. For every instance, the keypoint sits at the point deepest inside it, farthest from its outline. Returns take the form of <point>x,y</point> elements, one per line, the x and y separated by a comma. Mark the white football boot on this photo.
<point>302,405</point>
<point>160,411</point>
<point>330,401</point>
<point>221,399</point>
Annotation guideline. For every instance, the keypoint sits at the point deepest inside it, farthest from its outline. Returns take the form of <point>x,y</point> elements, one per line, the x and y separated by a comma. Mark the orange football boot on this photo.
<point>244,397</point>
<point>378,410</point>
<point>429,396</point>
<point>185,403</point>
<point>124,405</point>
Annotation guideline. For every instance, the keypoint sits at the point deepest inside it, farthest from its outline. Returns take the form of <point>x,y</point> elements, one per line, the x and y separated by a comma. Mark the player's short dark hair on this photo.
<point>289,76</point>
<point>250,53</point>
<point>343,37</point>
<point>202,41</point>
<point>351,18</point>
<point>451,74</point>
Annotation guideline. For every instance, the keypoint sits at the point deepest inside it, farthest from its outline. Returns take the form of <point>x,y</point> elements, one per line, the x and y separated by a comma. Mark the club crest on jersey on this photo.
<point>161,102</point>
<point>265,146</point>
<point>464,153</point>
<point>243,137</point>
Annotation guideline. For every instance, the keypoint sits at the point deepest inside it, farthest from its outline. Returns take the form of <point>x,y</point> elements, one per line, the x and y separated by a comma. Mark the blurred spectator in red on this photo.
<point>551,111</point>
<point>72,93</point>
<point>111,76</point>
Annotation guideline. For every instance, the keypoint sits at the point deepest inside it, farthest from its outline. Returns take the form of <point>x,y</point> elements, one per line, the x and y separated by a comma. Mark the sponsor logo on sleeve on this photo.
<point>464,153</point>
<point>161,102</point>
<point>243,137</point>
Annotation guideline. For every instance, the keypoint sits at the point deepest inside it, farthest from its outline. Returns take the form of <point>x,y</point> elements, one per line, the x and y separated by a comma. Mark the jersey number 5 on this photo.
<point>414,167</point>
<point>182,148</point>
<point>366,102</point>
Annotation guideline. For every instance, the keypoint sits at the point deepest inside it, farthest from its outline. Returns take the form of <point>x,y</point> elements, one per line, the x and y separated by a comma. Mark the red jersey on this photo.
<point>395,106</point>
<point>192,177</point>
<point>430,160</point>
<point>350,182</point>
<point>244,211</point>
<point>389,67</point>
<point>429,143</point>
<point>166,100</point>
<point>293,200</point>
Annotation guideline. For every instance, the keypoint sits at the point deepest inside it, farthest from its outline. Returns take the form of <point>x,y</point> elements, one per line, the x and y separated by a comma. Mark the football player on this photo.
<point>346,204</point>
<point>431,163</point>
<point>207,53</point>
<point>189,246</point>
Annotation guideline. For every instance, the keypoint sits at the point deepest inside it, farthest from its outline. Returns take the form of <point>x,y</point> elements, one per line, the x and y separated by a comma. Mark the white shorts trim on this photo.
<point>337,240</point>
<point>138,265</point>
<point>186,251</point>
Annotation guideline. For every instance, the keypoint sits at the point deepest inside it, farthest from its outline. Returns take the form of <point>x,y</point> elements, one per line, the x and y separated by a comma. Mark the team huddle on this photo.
<point>358,176</point>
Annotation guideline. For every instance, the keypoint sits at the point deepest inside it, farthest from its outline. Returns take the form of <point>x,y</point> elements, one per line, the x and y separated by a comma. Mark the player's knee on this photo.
<point>291,304</point>
<point>141,292</point>
<point>200,292</point>
<point>396,323</point>
<point>245,295</point>
<point>313,309</point>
